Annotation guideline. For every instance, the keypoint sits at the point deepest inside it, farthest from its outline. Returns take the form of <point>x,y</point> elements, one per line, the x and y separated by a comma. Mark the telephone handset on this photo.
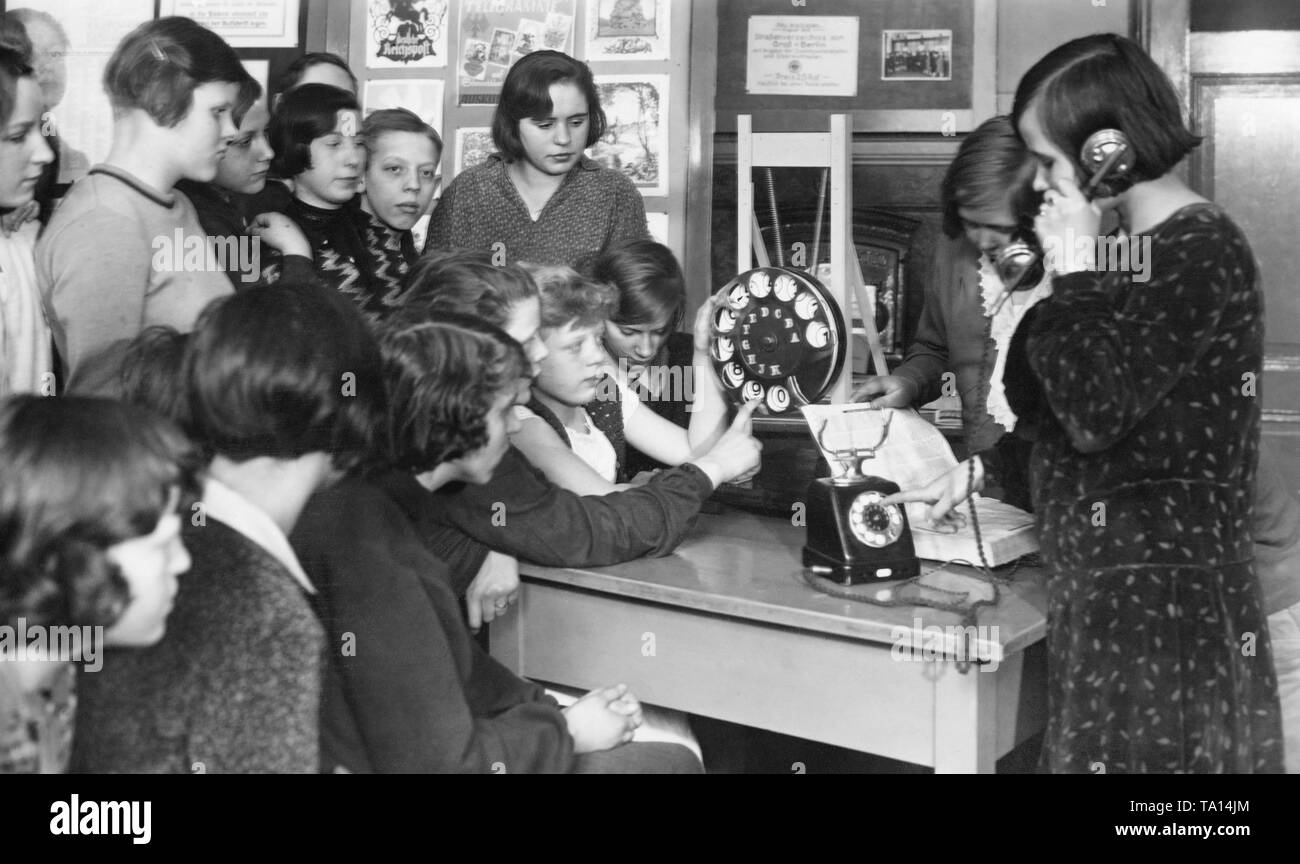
<point>1107,158</point>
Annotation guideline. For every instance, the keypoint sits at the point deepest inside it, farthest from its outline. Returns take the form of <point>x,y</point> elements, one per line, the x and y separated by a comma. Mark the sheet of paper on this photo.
<point>912,453</point>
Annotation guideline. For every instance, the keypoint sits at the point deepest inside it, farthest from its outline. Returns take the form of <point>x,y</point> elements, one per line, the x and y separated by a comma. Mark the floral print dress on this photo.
<point>1158,646</point>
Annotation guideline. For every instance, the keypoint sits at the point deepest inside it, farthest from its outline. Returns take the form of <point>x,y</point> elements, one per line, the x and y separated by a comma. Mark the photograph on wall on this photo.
<point>627,30</point>
<point>242,23</point>
<point>494,34</point>
<point>406,34</point>
<point>636,131</point>
<point>423,96</point>
<point>916,55</point>
<point>71,43</point>
<point>473,147</point>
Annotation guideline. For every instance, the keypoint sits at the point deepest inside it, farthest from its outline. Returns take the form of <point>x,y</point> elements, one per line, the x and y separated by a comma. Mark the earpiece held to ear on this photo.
<point>1107,157</point>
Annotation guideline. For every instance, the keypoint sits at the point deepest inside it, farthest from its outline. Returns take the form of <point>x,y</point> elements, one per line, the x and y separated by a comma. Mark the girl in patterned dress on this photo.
<point>1159,654</point>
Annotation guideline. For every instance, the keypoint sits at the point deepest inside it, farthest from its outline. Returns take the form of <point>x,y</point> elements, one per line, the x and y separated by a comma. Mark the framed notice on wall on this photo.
<point>242,23</point>
<point>802,55</point>
<point>894,65</point>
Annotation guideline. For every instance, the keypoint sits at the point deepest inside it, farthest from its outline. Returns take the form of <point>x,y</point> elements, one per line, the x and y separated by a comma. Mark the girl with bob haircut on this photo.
<point>651,358</point>
<point>89,537</point>
<point>988,200</point>
<point>423,696</point>
<point>175,87</point>
<point>284,390</point>
<point>26,362</point>
<point>538,196</point>
<point>582,418</point>
<point>1145,420</point>
<point>316,133</point>
<point>223,208</point>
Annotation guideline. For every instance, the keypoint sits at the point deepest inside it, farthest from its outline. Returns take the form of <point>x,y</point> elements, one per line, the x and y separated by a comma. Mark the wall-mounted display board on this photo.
<point>895,65</point>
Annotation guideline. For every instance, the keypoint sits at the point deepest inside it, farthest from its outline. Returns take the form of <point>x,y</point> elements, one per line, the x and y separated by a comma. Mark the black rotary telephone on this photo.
<point>778,338</point>
<point>1107,158</point>
<point>851,536</point>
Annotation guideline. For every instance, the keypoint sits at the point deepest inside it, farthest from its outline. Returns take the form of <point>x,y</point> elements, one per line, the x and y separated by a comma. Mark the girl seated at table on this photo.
<point>581,419</point>
<point>89,537</point>
<point>421,695</point>
<point>650,519</point>
<point>657,363</point>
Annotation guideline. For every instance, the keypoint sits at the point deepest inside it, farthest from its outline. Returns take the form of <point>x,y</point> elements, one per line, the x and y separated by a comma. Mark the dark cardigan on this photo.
<point>234,685</point>
<point>416,693</point>
<point>677,355</point>
<point>554,527</point>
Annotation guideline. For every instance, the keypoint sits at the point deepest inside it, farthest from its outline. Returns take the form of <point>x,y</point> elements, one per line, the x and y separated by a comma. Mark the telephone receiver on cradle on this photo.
<point>1107,158</point>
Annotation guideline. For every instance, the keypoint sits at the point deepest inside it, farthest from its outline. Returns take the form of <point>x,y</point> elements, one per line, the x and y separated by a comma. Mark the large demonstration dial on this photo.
<point>875,524</point>
<point>778,338</point>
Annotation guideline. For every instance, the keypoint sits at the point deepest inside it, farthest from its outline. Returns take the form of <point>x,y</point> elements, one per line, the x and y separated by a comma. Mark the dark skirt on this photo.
<point>1160,669</point>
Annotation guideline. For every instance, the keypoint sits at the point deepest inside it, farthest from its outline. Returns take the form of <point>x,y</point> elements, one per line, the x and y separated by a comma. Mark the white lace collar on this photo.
<point>1001,328</point>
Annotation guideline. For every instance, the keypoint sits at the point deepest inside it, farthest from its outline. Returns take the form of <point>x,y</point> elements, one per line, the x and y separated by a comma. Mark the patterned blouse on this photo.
<point>1143,479</point>
<point>357,254</point>
<point>595,208</point>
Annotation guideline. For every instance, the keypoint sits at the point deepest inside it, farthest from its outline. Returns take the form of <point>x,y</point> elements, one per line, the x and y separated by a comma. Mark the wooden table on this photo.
<point>726,628</point>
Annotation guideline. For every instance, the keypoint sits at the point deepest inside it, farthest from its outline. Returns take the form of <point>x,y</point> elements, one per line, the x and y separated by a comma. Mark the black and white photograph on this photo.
<point>512,387</point>
<point>916,55</point>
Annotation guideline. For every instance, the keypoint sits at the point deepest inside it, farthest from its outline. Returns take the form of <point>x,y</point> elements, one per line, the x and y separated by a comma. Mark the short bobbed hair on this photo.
<point>77,476</point>
<point>297,70</point>
<point>443,377</point>
<point>1105,81</point>
<point>992,168</point>
<point>648,279</point>
<point>379,123</point>
<point>303,115</point>
<point>570,298</point>
<point>13,67</point>
<point>151,371</point>
<point>526,93</point>
<point>157,66</point>
<point>466,283</point>
<point>284,371</point>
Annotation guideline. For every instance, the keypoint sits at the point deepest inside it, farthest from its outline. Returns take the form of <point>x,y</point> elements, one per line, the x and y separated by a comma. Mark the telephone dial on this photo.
<point>1107,158</point>
<point>777,339</point>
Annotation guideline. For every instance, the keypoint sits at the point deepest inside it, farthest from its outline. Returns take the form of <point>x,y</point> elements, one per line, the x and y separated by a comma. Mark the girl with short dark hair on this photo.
<point>284,391</point>
<point>539,199</point>
<point>89,537</point>
<point>126,250</point>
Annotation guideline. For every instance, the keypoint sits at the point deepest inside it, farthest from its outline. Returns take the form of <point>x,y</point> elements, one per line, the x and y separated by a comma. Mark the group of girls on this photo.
<point>279,494</point>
